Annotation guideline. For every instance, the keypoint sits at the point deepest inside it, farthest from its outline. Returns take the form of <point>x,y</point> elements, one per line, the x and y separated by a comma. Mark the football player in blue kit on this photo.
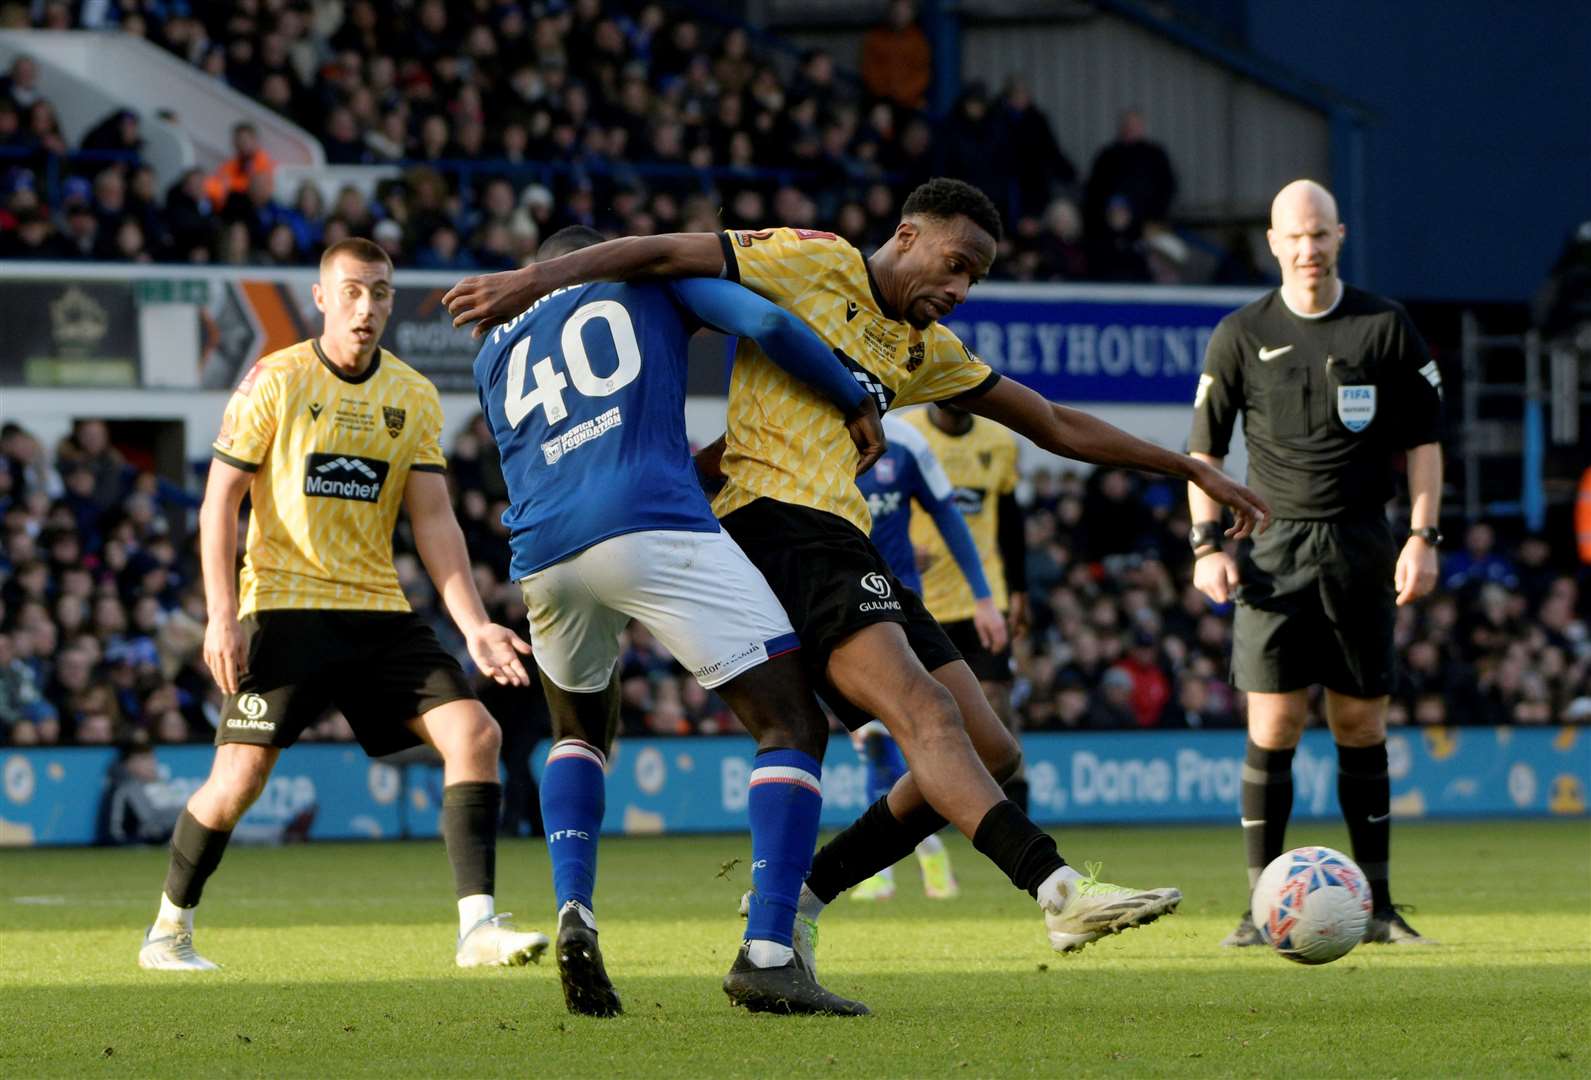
<point>585,394</point>
<point>909,472</point>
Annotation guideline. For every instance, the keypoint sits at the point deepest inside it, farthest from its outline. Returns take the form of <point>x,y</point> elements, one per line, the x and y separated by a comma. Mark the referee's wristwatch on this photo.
<point>1430,534</point>
<point>1205,537</point>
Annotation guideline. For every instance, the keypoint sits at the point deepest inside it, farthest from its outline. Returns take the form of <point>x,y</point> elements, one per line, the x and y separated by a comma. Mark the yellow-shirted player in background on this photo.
<point>328,438</point>
<point>979,456</point>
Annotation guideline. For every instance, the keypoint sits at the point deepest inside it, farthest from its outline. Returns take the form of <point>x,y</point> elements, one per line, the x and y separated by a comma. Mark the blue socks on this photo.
<point>573,798</point>
<point>885,765</point>
<point>784,803</point>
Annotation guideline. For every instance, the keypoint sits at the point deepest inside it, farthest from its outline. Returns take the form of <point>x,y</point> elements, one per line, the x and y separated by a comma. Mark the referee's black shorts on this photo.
<point>832,582</point>
<point>1316,605</point>
<point>380,669</point>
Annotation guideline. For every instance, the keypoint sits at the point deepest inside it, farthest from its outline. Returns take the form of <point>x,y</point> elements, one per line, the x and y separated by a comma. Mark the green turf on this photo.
<point>339,963</point>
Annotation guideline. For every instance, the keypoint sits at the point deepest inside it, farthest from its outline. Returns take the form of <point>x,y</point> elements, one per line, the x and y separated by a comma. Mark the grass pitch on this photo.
<point>339,963</point>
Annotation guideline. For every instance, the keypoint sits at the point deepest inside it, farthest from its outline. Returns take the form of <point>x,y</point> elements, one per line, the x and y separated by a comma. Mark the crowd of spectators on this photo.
<point>505,120</point>
<point>102,613</point>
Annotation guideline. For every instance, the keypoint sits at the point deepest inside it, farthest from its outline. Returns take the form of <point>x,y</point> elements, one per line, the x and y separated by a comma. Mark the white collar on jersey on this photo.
<point>1342,289</point>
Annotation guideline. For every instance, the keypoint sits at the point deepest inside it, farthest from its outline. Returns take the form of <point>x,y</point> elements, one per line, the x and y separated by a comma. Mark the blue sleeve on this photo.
<point>958,538</point>
<point>787,340</point>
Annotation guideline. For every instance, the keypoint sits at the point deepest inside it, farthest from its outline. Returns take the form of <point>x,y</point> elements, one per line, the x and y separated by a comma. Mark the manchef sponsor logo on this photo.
<point>344,476</point>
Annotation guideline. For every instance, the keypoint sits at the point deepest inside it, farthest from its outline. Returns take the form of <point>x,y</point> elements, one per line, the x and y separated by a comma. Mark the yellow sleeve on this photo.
<point>428,455</point>
<point>784,264</point>
<point>1008,473</point>
<point>249,424</point>
<point>949,370</point>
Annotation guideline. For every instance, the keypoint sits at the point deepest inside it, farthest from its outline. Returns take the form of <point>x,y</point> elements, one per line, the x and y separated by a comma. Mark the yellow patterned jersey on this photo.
<point>330,456</point>
<point>786,441</point>
<point>982,467</point>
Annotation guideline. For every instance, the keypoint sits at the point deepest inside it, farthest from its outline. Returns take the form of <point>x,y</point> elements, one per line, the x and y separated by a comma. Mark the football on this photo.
<point>1312,904</point>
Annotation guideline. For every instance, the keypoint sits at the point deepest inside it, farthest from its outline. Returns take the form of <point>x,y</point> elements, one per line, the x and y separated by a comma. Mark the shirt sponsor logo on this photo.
<point>1356,407</point>
<point>554,449</point>
<point>883,503</point>
<point>970,500</point>
<point>879,605</point>
<point>235,724</point>
<point>882,394</point>
<point>344,476</point>
<point>877,584</point>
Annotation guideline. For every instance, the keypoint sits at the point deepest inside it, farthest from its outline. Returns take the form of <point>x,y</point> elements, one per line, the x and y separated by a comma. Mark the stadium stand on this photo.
<point>630,123</point>
<point>102,614</point>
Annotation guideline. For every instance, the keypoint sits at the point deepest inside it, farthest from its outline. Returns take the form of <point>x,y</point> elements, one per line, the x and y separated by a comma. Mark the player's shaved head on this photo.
<point>358,249</point>
<point>1303,198</point>
<point>570,238</point>
<point>1306,237</point>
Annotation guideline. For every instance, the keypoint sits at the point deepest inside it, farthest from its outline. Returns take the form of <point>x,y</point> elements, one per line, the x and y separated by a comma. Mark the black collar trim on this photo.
<point>363,376</point>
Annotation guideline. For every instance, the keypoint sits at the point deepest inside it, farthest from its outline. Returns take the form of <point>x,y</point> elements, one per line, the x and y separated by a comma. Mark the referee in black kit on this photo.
<point>1333,383</point>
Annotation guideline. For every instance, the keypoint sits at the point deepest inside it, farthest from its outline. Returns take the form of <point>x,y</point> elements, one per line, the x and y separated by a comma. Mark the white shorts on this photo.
<point>696,592</point>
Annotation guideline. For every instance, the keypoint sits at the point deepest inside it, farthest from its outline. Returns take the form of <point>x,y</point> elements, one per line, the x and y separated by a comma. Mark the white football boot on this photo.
<point>493,942</point>
<point>1092,909</point>
<point>171,949</point>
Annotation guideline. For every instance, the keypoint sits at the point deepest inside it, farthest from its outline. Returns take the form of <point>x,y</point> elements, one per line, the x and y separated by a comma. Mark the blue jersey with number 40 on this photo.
<point>585,395</point>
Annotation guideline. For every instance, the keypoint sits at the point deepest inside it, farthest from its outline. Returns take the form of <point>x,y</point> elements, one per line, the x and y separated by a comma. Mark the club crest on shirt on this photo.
<point>885,471</point>
<point>394,418</point>
<point>986,458</point>
<point>1356,407</point>
<point>914,356</point>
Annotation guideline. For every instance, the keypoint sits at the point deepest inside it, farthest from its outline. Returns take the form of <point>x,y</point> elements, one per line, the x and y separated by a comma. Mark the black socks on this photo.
<point>1267,804</point>
<point>469,828</point>
<point>1010,840</point>
<point>195,853</point>
<point>869,844</point>
<point>1366,796</point>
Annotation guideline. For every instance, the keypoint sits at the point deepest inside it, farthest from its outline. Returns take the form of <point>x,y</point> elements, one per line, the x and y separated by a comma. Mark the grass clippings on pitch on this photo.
<point>338,962</point>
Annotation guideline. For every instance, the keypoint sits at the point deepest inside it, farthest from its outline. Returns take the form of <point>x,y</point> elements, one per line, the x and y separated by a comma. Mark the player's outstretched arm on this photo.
<point>792,345</point>
<point>495,649</point>
<point>488,299</point>
<point>1074,434</point>
<point>224,653</point>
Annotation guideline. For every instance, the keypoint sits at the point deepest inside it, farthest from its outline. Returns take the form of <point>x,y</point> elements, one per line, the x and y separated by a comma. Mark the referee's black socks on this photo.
<point>1365,793</point>
<point>1267,803</point>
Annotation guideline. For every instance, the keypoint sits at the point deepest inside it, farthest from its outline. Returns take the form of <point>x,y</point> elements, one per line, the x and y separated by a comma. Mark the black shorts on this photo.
<point>832,582</point>
<point>987,666</point>
<point>1316,605</point>
<point>380,669</point>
